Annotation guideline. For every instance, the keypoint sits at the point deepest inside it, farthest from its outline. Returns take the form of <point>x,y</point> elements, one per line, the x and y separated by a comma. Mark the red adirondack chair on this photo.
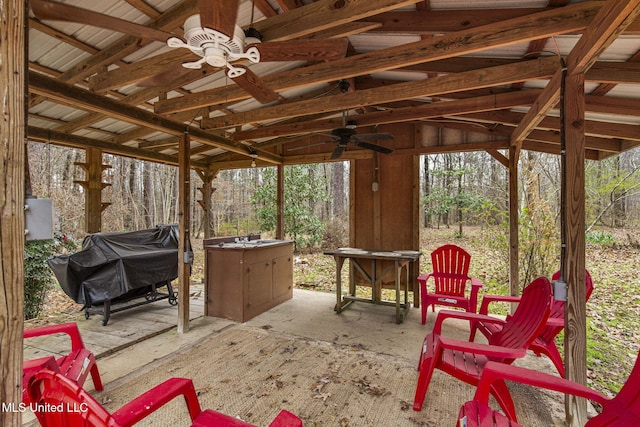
<point>76,365</point>
<point>49,389</point>
<point>466,360</point>
<point>621,411</point>
<point>450,275</point>
<point>545,343</point>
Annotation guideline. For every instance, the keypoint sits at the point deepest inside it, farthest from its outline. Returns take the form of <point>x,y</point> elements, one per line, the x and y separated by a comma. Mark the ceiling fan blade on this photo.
<point>372,136</point>
<point>254,85</point>
<point>303,50</point>
<point>53,11</point>
<point>337,152</point>
<point>374,147</point>
<point>219,15</point>
<point>302,147</point>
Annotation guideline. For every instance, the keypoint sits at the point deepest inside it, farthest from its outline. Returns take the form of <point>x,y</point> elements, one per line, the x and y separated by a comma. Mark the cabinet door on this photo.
<point>282,276</point>
<point>259,284</point>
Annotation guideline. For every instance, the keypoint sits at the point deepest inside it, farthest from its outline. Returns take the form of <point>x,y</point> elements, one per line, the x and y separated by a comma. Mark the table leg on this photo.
<point>398,276</point>
<point>406,287</point>
<point>339,263</point>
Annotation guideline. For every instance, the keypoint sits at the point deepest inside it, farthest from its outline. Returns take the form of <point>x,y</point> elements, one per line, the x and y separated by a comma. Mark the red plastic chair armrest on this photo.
<point>462,315</point>
<point>422,279</point>
<point>488,299</point>
<point>156,397</point>
<point>479,348</point>
<point>476,284</point>
<point>499,371</point>
<point>286,419</point>
<point>70,329</point>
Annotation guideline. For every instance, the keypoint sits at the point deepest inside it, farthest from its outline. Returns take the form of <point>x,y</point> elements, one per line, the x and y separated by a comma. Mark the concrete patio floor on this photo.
<point>136,338</point>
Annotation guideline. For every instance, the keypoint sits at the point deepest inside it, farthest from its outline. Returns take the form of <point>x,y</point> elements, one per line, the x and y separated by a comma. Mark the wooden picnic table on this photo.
<point>401,260</point>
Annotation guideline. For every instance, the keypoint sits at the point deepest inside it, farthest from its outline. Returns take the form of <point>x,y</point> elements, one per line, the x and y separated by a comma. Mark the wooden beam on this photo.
<point>501,158</point>
<point>522,71</point>
<point>545,102</point>
<point>65,93</point>
<point>140,70</point>
<point>614,73</point>
<point>398,115</point>
<point>543,141</point>
<point>70,140</point>
<point>327,15</point>
<point>444,21</point>
<point>322,15</point>
<point>545,24</point>
<point>617,131</point>
<point>608,24</point>
<point>171,19</point>
<point>13,103</point>
<point>603,30</point>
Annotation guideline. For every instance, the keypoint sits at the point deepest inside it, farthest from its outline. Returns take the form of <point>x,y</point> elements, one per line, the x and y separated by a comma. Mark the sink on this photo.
<point>265,241</point>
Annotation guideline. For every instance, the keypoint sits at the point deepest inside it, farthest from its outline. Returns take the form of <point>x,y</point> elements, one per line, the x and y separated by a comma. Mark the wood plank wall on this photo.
<point>387,219</point>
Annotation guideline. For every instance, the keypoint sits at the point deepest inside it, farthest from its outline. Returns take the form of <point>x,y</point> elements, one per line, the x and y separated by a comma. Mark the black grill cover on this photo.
<point>111,265</point>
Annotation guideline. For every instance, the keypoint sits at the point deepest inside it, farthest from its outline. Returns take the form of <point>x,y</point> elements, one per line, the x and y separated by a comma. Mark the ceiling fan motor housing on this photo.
<point>210,43</point>
<point>343,133</point>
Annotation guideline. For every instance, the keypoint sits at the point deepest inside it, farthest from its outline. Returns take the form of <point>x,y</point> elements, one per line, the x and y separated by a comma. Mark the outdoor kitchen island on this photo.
<point>245,277</point>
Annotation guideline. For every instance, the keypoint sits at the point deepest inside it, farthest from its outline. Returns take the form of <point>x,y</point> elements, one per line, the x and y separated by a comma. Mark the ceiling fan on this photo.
<point>347,134</point>
<point>213,35</point>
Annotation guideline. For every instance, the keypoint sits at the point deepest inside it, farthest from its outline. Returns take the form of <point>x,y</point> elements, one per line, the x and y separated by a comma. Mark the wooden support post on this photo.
<point>377,203</point>
<point>414,267</point>
<point>280,203</point>
<point>12,193</point>
<point>514,279</point>
<point>207,191</point>
<point>93,185</point>
<point>184,225</point>
<point>573,259</point>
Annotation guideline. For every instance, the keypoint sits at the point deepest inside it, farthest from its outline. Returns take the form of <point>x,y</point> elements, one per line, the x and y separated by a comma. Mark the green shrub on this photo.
<point>37,274</point>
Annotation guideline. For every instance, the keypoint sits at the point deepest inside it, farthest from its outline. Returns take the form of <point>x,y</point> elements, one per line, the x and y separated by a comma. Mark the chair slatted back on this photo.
<point>557,309</point>
<point>450,265</point>
<point>529,318</point>
<point>48,390</point>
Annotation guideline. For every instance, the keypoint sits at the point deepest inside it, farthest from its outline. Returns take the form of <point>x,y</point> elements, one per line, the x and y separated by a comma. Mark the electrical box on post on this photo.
<point>38,219</point>
<point>560,290</point>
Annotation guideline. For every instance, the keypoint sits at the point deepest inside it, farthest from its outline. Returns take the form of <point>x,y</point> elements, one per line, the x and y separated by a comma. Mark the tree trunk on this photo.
<point>427,189</point>
<point>337,190</point>
<point>147,195</point>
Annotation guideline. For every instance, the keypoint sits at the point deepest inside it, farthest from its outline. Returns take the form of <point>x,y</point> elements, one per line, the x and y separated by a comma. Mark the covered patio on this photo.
<point>356,368</point>
<point>59,88</point>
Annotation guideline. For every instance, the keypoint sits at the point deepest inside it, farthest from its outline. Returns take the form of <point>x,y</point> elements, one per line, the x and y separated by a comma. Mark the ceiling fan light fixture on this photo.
<point>351,124</point>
